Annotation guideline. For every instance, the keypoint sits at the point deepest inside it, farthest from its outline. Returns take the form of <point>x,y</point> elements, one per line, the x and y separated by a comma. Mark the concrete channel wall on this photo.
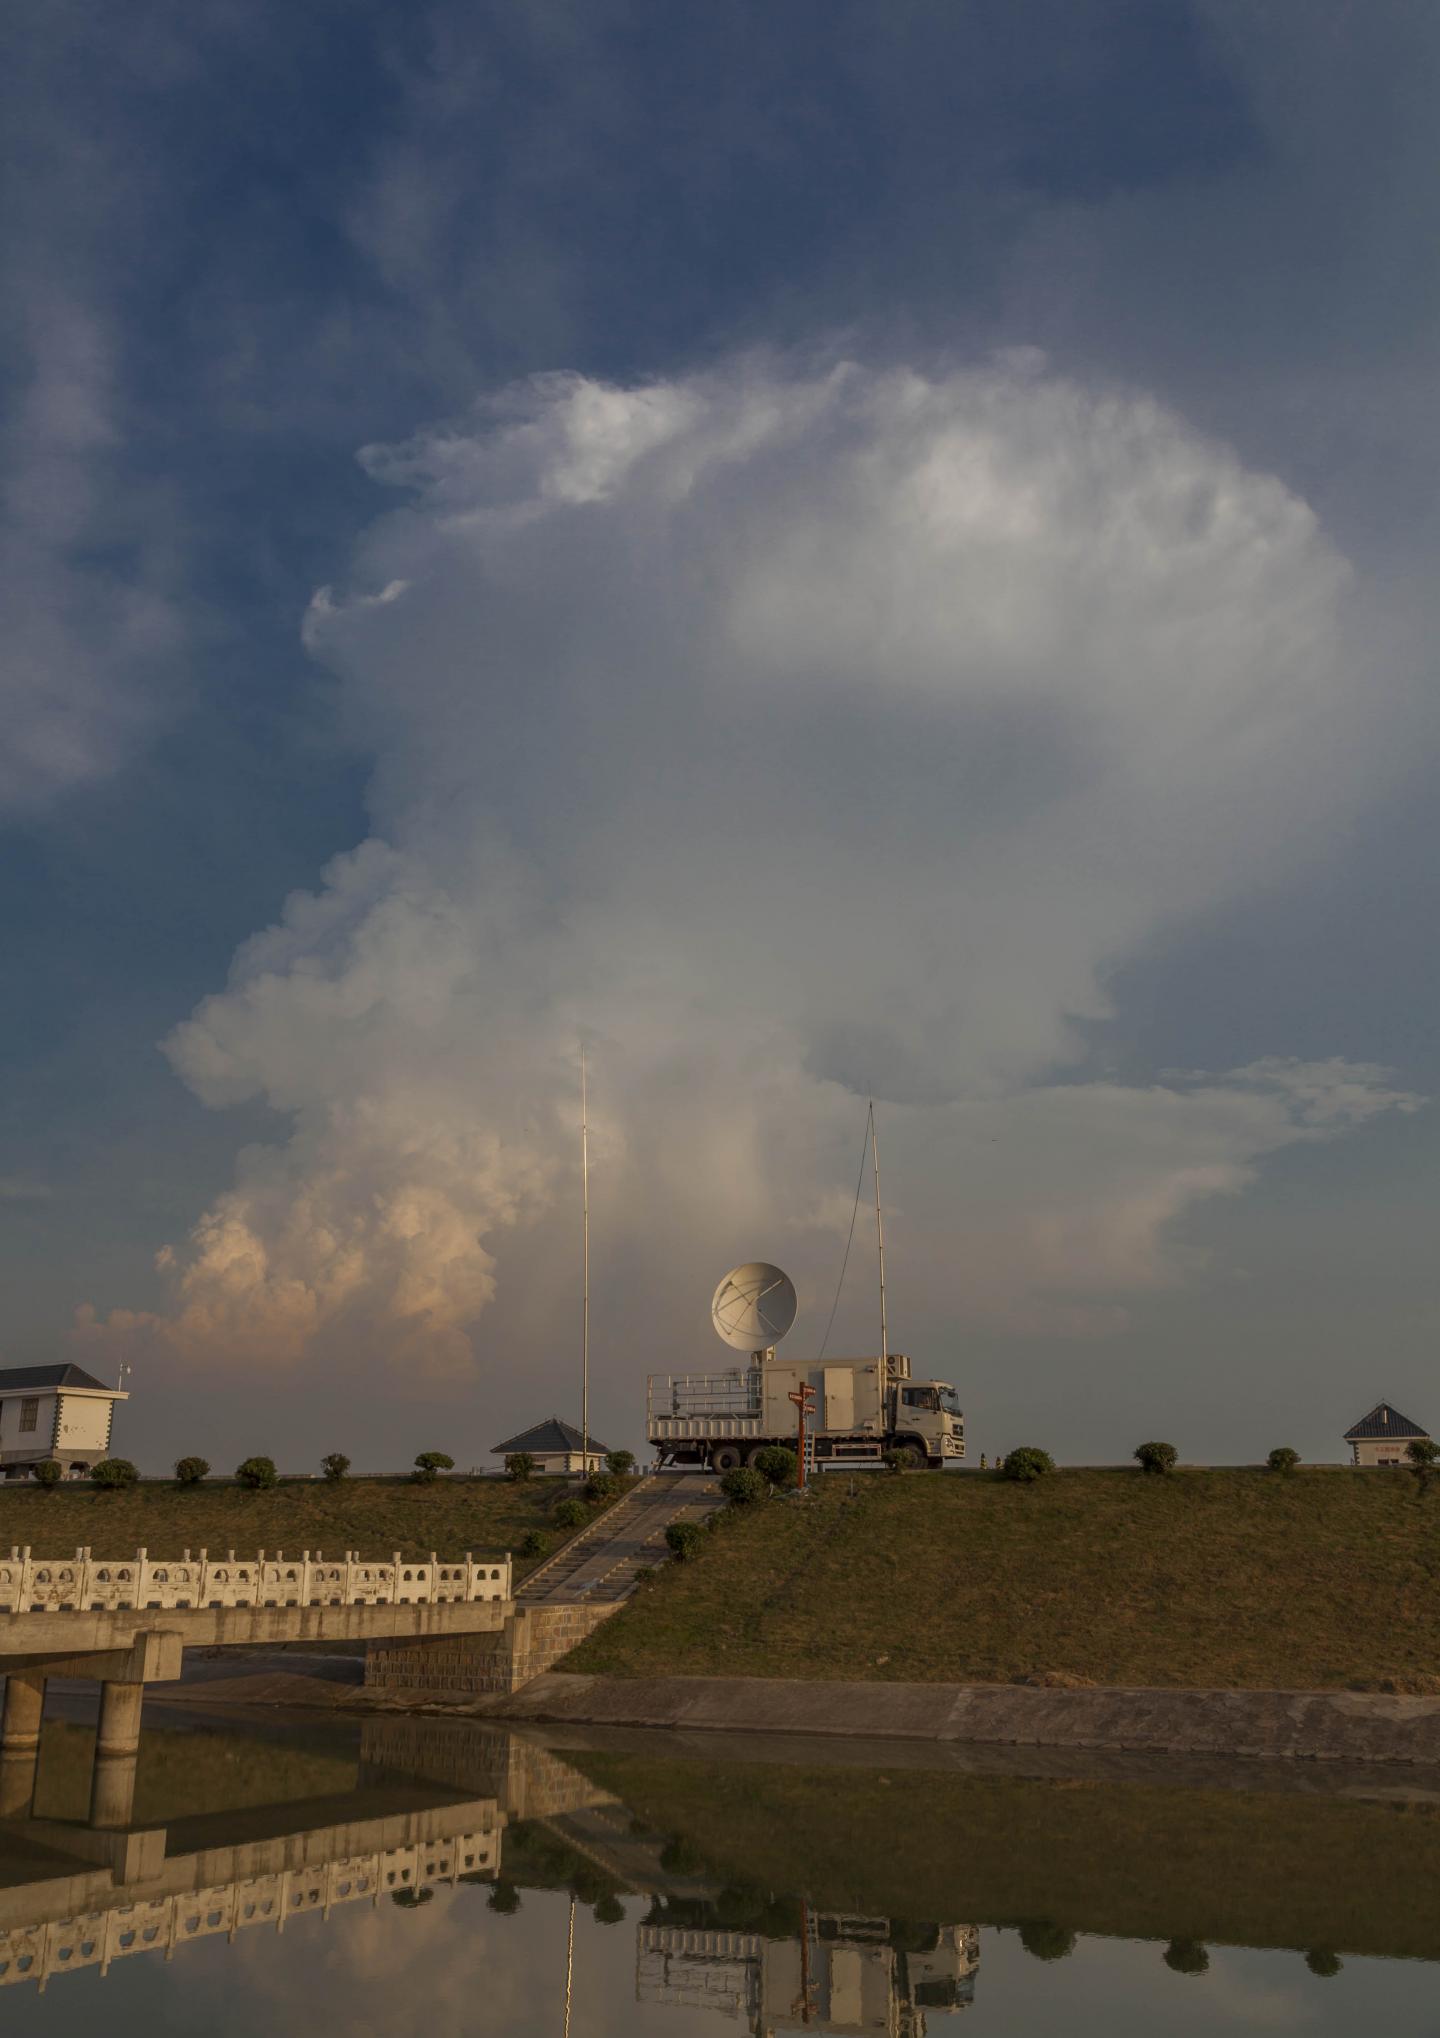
<point>1307,1725</point>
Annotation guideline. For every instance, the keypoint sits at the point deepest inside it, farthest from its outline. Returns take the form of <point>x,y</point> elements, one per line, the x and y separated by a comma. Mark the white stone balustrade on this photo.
<point>84,1583</point>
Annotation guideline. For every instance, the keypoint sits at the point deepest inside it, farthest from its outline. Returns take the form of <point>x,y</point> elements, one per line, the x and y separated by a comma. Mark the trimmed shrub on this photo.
<point>335,1467</point>
<point>519,1467</point>
<point>190,1471</point>
<point>621,1463</point>
<point>114,1474</point>
<point>1027,1463</point>
<point>429,1465</point>
<point>1326,1965</point>
<point>1186,1956</point>
<point>780,1466</point>
<point>744,1485</point>
<point>570,1514</point>
<point>534,1544</point>
<point>46,1473</point>
<point>1156,1458</point>
<point>897,1461</point>
<point>411,1899</point>
<point>601,1486</point>
<point>1283,1459</point>
<point>609,1910</point>
<point>504,1898</point>
<point>258,1474</point>
<point>644,1573</point>
<point>1043,1939</point>
<point>683,1540</point>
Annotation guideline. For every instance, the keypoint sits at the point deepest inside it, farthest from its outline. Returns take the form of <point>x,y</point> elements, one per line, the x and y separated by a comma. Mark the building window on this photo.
<point>30,1412</point>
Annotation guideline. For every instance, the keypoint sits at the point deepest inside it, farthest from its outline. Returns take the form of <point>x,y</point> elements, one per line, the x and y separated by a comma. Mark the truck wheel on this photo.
<point>727,1457</point>
<point>915,1454</point>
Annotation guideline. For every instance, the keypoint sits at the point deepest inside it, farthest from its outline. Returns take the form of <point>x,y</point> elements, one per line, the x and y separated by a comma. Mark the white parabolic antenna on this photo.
<point>754,1306</point>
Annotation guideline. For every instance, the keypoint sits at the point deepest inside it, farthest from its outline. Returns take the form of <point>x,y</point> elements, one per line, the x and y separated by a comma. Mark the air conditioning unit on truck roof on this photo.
<point>862,1407</point>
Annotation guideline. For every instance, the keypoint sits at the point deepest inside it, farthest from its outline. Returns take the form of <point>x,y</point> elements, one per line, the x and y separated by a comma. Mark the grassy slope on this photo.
<point>1137,1861</point>
<point>1232,1577</point>
<point>373,1516</point>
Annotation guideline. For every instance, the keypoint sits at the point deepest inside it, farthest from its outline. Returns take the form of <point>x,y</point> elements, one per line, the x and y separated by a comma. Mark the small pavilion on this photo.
<point>555,1446</point>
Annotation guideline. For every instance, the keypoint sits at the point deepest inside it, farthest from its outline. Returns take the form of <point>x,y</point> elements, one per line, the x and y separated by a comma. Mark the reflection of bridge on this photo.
<point>426,1811</point>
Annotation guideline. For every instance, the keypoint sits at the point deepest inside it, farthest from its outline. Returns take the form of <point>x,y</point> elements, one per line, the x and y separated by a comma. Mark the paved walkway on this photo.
<point>599,1564</point>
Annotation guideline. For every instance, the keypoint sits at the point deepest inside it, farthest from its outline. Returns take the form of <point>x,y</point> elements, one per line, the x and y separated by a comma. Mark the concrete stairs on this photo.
<point>598,1565</point>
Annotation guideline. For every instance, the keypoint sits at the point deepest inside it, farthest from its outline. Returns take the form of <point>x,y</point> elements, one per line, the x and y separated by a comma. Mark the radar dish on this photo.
<point>754,1306</point>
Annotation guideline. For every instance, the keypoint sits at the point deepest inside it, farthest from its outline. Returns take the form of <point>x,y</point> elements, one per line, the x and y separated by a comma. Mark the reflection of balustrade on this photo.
<point>83,1583</point>
<point>159,1924</point>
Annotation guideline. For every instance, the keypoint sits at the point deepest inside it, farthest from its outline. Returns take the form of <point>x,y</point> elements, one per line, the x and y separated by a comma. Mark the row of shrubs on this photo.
<point>259,1474</point>
<point>773,1469</point>
<point>572,1511</point>
<point>1031,1463</point>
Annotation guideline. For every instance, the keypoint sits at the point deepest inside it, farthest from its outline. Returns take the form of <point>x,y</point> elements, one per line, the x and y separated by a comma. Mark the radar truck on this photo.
<point>861,1409</point>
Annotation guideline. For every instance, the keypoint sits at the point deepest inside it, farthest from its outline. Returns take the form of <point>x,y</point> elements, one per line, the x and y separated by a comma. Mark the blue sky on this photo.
<point>1040,701</point>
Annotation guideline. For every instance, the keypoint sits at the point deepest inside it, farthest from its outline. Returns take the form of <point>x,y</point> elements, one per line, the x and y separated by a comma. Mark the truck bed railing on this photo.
<point>736,1393</point>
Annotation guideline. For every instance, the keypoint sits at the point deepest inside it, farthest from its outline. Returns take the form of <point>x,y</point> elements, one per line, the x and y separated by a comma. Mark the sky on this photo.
<point>821,552</point>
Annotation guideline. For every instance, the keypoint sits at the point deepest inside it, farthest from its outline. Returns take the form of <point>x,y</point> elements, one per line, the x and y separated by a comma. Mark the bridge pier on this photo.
<point>119,1729</point>
<point>24,1708</point>
<point>17,1782</point>
<point>112,1791</point>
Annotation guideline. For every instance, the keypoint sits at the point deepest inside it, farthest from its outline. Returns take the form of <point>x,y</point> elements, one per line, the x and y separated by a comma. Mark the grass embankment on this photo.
<point>1241,1578</point>
<point>1127,1860</point>
<point>374,1517</point>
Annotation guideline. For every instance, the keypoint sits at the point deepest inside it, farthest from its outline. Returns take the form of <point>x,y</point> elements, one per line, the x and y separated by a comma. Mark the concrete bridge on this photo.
<point>126,1622</point>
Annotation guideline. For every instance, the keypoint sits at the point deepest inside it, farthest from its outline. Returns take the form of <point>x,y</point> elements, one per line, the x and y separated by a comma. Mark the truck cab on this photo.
<point>927,1419</point>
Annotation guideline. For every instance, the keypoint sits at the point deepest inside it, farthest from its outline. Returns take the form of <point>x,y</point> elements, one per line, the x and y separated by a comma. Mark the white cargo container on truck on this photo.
<point>862,1409</point>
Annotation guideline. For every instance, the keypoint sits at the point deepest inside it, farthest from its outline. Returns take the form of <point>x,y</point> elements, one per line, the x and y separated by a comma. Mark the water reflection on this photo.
<point>772,1895</point>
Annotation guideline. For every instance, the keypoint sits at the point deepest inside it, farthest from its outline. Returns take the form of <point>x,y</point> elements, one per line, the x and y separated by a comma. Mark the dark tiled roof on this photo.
<point>1375,1425</point>
<point>553,1435</point>
<point>18,1379</point>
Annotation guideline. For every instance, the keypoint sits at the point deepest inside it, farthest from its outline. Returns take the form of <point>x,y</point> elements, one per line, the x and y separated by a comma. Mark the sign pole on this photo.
<point>804,1400</point>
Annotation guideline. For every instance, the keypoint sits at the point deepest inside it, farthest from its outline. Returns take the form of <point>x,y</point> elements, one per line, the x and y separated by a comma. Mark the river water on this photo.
<point>428,1875</point>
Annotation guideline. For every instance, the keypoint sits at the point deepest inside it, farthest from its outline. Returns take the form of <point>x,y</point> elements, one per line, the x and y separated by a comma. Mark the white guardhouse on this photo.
<point>1381,1437</point>
<point>555,1446</point>
<point>59,1412</point>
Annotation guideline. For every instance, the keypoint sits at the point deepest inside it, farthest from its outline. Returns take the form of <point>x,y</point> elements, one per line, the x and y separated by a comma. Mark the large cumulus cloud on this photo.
<point>794,733</point>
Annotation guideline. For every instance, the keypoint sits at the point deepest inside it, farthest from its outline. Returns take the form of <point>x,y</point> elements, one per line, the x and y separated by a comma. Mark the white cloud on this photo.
<point>798,734</point>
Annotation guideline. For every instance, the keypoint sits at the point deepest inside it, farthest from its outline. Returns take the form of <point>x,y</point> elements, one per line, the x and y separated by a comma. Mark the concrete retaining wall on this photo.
<point>458,1668</point>
<point>1328,1726</point>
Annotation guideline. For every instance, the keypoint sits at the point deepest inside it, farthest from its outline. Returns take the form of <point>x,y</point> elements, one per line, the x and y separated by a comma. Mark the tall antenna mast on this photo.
<point>585,1271</point>
<point>880,1247</point>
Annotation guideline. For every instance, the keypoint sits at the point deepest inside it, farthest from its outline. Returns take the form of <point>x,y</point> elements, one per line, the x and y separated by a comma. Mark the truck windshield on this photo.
<point>950,1401</point>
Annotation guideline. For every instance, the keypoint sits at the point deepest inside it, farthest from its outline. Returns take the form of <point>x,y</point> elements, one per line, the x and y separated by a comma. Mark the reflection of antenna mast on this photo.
<point>880,1245</point>
<point>585,1288</point>
<point>569,1964</point>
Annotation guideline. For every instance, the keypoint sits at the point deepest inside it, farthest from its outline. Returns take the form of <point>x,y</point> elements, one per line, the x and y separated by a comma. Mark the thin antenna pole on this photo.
<point>585,1270</point>
<point>880,1247</point>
